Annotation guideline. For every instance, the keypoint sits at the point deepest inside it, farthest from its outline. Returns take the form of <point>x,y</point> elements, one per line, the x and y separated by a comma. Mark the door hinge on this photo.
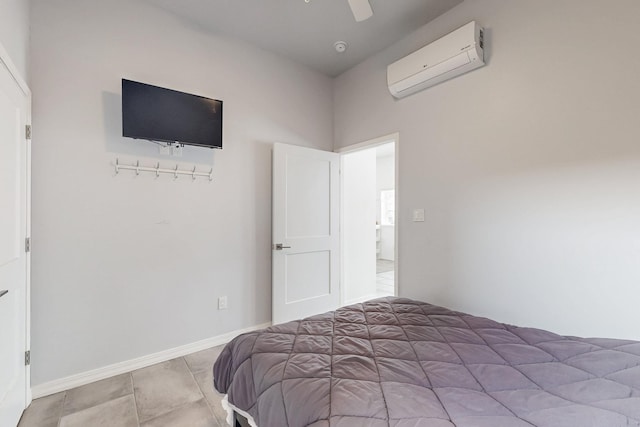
<point>27,244</point>
<point>27,358</point>
<point>27,132</point>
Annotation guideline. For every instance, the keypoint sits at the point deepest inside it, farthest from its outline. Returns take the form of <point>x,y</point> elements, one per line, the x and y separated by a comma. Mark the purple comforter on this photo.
<point>399,362</point>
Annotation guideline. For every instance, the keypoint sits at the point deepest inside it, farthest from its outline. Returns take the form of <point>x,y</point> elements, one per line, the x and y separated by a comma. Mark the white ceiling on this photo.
<point>306,32</point>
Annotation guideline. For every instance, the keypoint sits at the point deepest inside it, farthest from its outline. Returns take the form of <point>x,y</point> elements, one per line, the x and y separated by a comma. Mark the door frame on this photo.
<point>372,143</point>
<point>22,84</point>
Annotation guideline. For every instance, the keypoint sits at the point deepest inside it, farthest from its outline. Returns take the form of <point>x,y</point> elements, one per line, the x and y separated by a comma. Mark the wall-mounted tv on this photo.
<point>159,114</point>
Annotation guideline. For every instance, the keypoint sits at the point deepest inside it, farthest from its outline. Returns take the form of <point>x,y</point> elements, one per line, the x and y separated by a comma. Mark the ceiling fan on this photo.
<point>361,9</point>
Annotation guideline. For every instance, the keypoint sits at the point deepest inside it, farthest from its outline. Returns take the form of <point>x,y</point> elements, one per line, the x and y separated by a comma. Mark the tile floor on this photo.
<point>384,265</point>
<point>176,393</point>
<point>385,278</point>
<point>385,284</point>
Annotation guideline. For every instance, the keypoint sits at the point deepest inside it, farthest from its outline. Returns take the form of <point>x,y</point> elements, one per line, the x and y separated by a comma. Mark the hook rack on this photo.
<point>158,170</point>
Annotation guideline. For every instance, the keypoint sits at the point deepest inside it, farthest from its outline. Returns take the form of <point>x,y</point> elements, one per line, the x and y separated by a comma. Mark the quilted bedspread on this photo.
<point>399,362</point>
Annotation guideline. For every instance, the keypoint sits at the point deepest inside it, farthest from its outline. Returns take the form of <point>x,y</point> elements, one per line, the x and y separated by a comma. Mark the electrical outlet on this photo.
<point>177,150</point>
<point>222,303</point>
<point>165,150</point>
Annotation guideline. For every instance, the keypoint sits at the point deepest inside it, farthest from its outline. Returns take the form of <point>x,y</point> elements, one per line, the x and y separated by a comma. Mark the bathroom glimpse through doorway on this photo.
<point>368,225</point>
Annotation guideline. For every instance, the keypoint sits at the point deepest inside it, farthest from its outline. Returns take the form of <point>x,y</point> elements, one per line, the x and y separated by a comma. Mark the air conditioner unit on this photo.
<point>448,57</point>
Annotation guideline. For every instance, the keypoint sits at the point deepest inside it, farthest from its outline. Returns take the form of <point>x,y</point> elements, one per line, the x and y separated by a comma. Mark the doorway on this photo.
<point>368,225</point>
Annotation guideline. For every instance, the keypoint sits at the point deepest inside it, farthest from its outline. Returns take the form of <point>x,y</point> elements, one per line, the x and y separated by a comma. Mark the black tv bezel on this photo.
<point>171,141</point>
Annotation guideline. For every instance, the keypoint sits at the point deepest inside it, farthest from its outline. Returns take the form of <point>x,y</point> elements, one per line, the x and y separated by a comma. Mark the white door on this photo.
<point>14,166</point>
<point>306,239</point>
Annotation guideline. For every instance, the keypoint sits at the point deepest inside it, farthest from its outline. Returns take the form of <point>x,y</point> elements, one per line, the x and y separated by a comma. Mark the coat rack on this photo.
<point>158,170</point>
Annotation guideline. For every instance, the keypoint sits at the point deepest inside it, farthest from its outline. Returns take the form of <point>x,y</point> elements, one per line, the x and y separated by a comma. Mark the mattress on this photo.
<point>400,362</point>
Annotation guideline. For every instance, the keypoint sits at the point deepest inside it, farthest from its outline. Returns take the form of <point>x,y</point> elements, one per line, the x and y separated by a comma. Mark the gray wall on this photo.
<point>14,33</point>
<point>126,266</point>
<point>528,168</point>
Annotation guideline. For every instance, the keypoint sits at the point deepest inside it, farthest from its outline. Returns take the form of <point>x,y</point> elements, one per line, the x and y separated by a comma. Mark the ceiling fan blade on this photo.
<point>361,9</point>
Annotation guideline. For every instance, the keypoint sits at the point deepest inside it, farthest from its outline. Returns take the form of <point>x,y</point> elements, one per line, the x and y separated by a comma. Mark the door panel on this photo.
<point>308,197</point>
<point>309,276</point>
<point>306,224</point>
<point>9,180</point>
<point>14,113</point>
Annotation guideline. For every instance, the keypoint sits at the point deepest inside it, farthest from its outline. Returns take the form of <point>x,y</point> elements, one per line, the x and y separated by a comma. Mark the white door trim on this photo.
<point>13,70</point>
<point>22,84</point>
<point>372,143</point>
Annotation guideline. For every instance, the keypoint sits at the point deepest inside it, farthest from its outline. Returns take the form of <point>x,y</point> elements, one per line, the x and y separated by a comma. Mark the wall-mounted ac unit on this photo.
<point>448,57</point>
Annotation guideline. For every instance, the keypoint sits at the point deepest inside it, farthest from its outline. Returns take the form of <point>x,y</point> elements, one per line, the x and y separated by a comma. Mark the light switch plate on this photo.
<point>418,215</point>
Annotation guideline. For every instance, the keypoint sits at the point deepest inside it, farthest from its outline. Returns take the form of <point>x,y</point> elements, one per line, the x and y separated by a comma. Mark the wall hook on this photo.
<point>157,170</point>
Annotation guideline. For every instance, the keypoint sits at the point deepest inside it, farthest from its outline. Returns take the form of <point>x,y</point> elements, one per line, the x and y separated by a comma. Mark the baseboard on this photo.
<point>77,380</point>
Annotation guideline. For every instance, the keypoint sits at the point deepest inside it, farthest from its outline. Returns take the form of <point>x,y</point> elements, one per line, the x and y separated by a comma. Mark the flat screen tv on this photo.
<point>159,114</point>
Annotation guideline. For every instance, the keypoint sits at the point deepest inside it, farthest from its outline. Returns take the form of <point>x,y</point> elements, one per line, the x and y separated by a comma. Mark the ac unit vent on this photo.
<point>454,54</point>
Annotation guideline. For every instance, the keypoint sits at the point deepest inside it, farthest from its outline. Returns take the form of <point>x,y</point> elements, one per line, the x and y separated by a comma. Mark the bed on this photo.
<point>405,363</point>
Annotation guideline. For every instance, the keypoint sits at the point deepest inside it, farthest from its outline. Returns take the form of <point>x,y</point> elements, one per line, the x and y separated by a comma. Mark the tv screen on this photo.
<point>159,114</point>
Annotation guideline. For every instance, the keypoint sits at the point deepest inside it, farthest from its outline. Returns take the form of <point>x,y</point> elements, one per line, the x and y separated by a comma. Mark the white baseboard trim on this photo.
<point>67,383</point>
